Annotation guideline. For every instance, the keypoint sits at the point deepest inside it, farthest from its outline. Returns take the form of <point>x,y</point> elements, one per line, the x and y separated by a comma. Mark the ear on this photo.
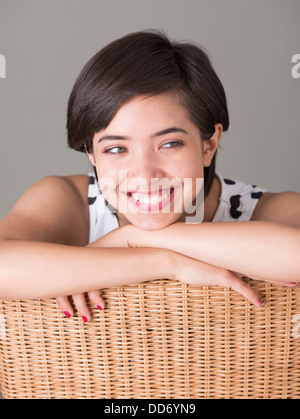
<point>210,146</point>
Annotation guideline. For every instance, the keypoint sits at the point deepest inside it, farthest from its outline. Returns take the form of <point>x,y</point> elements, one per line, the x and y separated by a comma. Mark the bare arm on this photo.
<point>31,270</point>
<point>264,250</point>
<point>44,253</point>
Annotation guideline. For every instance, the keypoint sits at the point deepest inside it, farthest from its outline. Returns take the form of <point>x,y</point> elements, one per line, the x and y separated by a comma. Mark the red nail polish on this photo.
<point>67,314</point>
<point>260,302</point>
<point>85,320</point>
<point>100,308</point>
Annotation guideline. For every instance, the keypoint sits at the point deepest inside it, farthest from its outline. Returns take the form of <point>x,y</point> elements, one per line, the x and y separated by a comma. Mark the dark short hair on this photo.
<point>146,63</point>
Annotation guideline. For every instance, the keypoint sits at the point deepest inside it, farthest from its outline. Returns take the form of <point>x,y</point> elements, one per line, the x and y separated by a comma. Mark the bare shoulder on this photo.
<point>79,185</point>
<point>283,207</point>
<point>54,209</point>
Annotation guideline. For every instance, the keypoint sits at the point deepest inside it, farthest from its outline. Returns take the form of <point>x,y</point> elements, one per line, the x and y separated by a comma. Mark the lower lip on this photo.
<point>151,207</point>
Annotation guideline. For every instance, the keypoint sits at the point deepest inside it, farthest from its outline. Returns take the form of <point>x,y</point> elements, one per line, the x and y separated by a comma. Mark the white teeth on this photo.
<point>145,199</point>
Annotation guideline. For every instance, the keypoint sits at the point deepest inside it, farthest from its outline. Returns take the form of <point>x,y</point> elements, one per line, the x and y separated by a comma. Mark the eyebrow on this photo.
<point>157,134</point>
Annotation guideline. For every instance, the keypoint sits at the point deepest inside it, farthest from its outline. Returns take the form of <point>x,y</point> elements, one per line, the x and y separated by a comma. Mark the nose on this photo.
<point>146,167</point>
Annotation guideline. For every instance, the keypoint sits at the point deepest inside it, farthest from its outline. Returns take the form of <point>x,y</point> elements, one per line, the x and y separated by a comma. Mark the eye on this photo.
<point>115,150</point>
<point>172,144</point>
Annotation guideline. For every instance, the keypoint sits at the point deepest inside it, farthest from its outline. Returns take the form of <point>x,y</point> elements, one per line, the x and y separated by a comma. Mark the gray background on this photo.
<point>251,43</point>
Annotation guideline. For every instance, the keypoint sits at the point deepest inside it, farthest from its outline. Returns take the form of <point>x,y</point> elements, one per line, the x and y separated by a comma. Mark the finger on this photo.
<point>281,283</point>
<point>82,308</point>
<point>232,281</point>
<point>95,297</point>
<point>65,305</point>
<point>246,290</point>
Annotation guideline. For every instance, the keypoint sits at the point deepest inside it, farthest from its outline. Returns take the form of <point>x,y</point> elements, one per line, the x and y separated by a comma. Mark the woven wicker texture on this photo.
<point>160,339</point>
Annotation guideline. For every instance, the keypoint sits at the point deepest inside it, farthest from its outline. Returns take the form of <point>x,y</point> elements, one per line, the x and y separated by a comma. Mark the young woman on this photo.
<point>150,114</point>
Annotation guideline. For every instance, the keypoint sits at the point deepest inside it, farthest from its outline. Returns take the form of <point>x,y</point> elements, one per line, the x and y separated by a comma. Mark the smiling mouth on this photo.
<point>151,202</point>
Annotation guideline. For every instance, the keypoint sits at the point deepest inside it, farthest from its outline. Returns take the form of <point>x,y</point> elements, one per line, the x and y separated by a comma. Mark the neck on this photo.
<point>211,202</point>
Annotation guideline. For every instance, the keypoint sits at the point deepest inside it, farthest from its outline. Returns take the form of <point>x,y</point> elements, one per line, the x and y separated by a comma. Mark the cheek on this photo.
<point>108,180</point>
<point>190,167</point>
<point>192,173</point>
<point>187,165</point>
<point>107,171</point>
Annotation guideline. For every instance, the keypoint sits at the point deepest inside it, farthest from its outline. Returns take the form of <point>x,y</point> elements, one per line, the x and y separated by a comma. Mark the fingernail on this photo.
<point>67,314</point>
<point>293,284</point>
<point>85,320</point>
<point>260,302</point>
<point>100,308</point>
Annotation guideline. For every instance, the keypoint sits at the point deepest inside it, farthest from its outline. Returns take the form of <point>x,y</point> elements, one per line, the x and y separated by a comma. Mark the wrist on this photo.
<point>169,261</point>
<point>135,237</point>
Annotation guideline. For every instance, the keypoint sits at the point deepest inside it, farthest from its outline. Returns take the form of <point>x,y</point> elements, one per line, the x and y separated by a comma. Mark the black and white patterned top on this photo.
<point>237,202</point>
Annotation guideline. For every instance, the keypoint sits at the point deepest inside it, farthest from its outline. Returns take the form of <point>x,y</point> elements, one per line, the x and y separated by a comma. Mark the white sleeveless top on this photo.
<point>237,202</point>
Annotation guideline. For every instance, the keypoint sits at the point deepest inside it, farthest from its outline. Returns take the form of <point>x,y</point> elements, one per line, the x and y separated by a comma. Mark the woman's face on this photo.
<point>147,161</point>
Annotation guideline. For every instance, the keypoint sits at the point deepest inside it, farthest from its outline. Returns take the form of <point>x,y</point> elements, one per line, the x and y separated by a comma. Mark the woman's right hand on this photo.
<point>194,272</point>
<point>116,238</point>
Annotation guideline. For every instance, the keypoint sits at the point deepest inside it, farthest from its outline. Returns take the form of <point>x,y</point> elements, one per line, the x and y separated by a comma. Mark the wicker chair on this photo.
<point>159,339</point>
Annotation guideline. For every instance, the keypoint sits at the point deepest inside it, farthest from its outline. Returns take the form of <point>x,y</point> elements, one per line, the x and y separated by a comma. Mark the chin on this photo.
<point>153,223</point>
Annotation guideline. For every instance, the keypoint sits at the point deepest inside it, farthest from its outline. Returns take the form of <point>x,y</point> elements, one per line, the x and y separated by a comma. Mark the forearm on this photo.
<point>31,270</point>
<point>258,249</point>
